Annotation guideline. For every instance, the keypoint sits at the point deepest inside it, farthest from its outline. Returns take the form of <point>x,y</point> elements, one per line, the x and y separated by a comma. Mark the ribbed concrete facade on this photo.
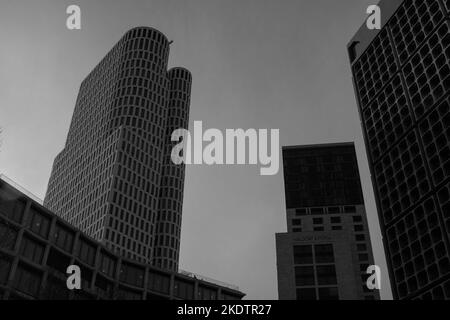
<point>114,179</point>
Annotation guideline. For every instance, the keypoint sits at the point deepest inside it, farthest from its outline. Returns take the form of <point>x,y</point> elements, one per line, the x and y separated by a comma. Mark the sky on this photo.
<point>262,64</point>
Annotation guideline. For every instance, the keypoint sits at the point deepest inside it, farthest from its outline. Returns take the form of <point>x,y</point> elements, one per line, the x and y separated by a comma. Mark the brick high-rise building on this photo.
<point>326,251</point>
<point>401,76</point>
<point>114,179</point>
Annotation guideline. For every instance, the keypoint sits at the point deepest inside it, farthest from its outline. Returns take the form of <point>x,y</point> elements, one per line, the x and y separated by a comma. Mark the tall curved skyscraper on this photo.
<point>114,179</point>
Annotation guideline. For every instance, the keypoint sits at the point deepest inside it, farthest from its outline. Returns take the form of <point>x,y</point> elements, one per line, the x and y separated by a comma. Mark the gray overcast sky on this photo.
<point>255,64</point>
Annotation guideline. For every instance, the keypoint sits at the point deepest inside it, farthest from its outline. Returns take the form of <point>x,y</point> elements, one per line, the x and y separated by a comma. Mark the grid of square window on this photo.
<point>401,178</point>
<point>387,118</point>
<point>408,169</point>
<point>114,179</point>
<point>315,272</point>
<point>439,292</point>
<point>417,244</point>
<point>427,73</point>
<point>412,24</point>
<point>443,197</point>
<point>435,135</point>
<point>374,68</point>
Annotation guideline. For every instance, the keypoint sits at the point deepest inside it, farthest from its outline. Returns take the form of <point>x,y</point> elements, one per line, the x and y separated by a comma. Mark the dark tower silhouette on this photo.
<point>114,179</point>
<point>401,76</point>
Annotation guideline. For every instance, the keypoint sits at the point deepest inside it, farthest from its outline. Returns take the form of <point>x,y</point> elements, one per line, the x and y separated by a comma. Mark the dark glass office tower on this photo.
<point>114,179</point>
<point>326,251</point>
<point>401,76</point>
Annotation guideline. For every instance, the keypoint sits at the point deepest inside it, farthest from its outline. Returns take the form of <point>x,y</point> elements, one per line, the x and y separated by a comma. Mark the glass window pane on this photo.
<point>306,294</point>
<point>159,282</point>
<point>324,253</point>
<point>303,255</point>
<point>183,290</point>
<point>5,266</point>
<point>11,206</point>
<point>328,294</point>
<point>304,276</point>
<point>8,237</point>
<point>326,275</point>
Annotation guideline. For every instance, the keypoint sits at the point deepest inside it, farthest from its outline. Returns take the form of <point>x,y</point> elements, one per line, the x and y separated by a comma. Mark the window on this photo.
<point>366,289</point>
<point>5,266</point>
<point>126,294</point>
<point>336,228</point>
<point>358,228</point>
<point>55,289</point>
<point>12,207</point>
<point>317,220</point>
<point>326,275</point>
<point>357,219</point>
<point>86,252</point>
<point>316,210</point>
<point>104,287</point>
<point>8,237</point>
<point>306,294</point>
<point>63,238</point>
<point>205,293</point>
<point>158,282</point>
<point>350,209</point>
<point>324,253</point>
<point>361,247</point>
<point>86,277</point>
<point>335,219</point>
<point>228,296</point>
<point>328,293</point>
<point>132,275</point>
<point>303,255</point>
<point>363,267</point>
<point>183,289</point>
<point>360,237</point>
<point>304,276</point>
<point>57,261</point>
<point>333,210</point>
<point>27,280</point>
<point>39,224</point>
<point>318,229</point>
<point>107,265</point>
<point>363,257</point>
<point>32,250</point>
<point>296,222</point>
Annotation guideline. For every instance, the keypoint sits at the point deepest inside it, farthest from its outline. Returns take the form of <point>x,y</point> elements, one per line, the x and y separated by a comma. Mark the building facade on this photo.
<point>326,251</point>
<point>36,247</point>
<point>114,179</point>
<point>401,76</point>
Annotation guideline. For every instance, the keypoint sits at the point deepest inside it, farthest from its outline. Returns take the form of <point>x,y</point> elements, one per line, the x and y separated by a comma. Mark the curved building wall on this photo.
<point>171,193</point>
<point>36,248</point>
<point>107,179</point>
